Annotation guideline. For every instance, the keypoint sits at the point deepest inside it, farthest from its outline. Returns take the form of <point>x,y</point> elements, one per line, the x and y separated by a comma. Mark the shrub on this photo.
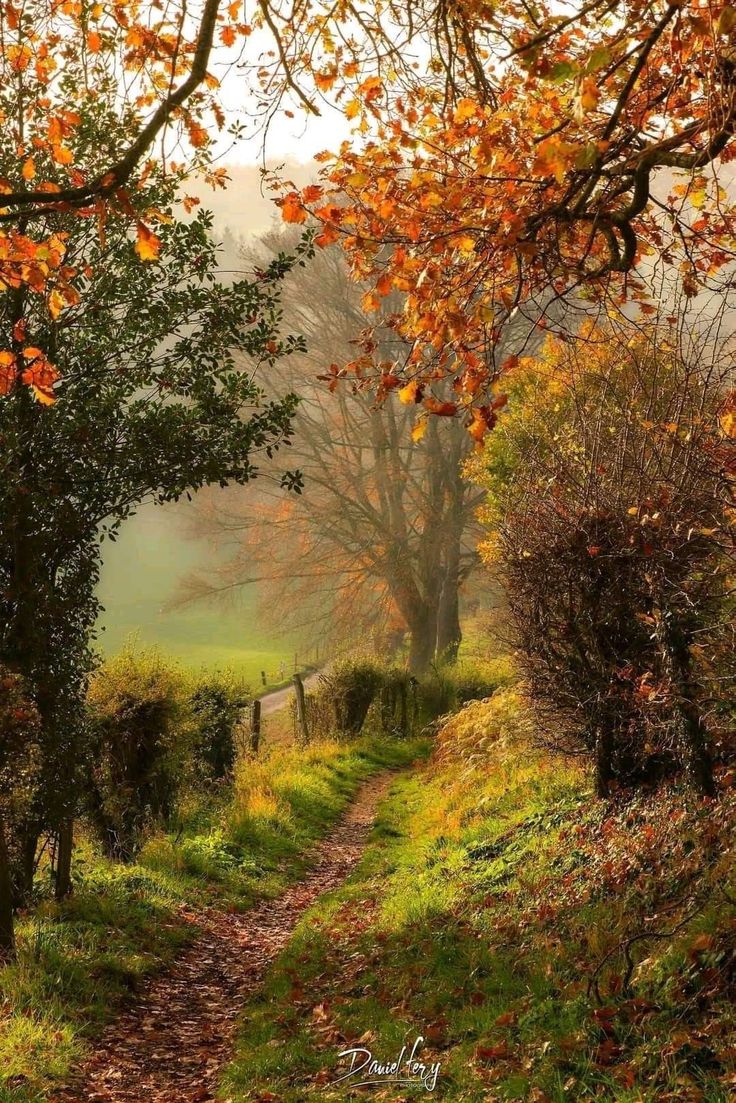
<point>436,693</point>
<point>473,681</point>
<point>399,701</point>
<point>449,687</point>
<point>470,735</point>
<point>216,703</point>
<point>140,712</point>
<point>609,516</point>
<point>344,696</point>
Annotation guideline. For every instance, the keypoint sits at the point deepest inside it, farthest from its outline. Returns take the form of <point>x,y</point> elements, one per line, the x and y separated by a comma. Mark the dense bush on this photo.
<point>343,697</point>
<point>141,717</point>
<point>357,691</point>
<point>448,687</point>
<point>398,701</point>
<point>609,516</point>
<point>217,704</point>
<point>469,736</point>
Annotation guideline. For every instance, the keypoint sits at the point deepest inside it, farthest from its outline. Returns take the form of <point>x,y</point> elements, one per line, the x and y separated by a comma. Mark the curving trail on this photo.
<point>171,1043</point>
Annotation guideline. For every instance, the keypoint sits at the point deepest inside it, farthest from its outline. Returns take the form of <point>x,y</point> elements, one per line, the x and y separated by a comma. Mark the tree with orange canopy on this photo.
<point>522,153</point>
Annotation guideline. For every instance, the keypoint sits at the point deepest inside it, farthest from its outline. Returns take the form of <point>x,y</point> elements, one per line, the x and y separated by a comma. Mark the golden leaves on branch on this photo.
<point>31,367</point>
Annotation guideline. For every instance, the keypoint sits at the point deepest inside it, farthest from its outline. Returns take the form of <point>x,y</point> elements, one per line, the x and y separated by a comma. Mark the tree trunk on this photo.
<point>603,760</point>
<point>677,664</point>
<point>7,931</point>
<point>24,872</point>
<point>387,710</point>
<point>449,633</point>
<point>422,646</point>
<point>63,885</point>
<point>403,710</point>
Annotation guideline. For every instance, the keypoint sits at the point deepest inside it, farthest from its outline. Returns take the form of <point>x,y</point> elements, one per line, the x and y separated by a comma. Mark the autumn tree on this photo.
<point>501,157</point>
<point>383,535</point>
<point>510,154</point>
<point>610,523</point>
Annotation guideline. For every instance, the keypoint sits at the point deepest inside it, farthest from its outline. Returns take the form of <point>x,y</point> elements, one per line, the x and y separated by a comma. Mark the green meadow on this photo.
<point>141,577</point>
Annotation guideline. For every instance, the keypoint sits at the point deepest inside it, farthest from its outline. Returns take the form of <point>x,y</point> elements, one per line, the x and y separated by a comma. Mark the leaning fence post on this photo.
<point>255,726</point>
<point>301,711</point>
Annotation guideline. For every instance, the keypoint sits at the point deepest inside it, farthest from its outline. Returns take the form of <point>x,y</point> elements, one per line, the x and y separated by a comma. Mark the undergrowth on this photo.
<point>548,947</point>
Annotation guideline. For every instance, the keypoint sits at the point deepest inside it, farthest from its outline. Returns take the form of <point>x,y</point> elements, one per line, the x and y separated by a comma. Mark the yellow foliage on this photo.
<point>480,727</point>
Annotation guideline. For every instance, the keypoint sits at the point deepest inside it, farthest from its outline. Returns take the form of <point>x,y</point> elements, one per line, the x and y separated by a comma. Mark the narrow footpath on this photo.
<point>171,1043</point>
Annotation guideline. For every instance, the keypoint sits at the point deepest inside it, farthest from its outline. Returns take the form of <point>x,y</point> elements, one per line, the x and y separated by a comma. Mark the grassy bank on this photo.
<point>549,947</point>
<point>78,960</point>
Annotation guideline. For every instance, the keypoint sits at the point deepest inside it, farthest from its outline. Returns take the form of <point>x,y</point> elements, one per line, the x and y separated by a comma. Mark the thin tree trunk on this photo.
<point>403,710</point>
<point>7,930</point>
<point>603,760</point>
<point>677,664</point>
<point>25,870</point>
<point>387,710</point>
<point>65,846</point>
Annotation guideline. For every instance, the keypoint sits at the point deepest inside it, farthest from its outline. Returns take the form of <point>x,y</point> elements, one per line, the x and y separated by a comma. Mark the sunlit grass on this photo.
<point>78,960</point>
<point>495,887</point>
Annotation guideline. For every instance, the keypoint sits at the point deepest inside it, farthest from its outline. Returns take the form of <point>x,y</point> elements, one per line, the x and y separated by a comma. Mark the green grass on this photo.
<point>490,896</point>
<point>78,960</point>
<point>142,575</point>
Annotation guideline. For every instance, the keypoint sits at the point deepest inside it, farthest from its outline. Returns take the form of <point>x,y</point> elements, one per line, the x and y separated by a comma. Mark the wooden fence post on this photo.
<point>255,726</point>
<point>301,711</point>
<point>403,713</point>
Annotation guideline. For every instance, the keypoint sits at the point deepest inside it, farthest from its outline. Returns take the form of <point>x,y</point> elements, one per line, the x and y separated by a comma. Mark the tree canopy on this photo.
<point>528,152</point>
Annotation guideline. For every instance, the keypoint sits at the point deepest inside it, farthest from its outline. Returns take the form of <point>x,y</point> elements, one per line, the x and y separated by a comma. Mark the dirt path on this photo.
<point>170,1046</point>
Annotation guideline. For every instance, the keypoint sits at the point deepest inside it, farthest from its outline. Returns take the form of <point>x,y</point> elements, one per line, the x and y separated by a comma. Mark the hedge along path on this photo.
<point>171,1043</point>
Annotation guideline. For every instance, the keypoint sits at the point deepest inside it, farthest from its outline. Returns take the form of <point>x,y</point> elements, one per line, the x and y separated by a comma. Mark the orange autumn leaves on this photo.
<point>519,171</point>
<point>46,152</point>
<point>31,367</point>
<point>147,245</point>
